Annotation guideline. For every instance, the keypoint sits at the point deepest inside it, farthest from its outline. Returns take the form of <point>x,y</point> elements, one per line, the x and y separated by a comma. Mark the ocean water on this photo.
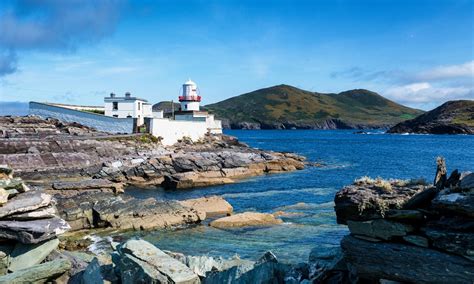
<point>307,195</point>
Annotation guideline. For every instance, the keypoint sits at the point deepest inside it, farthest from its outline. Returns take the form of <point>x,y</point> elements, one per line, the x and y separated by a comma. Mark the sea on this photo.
<point>306,196</point>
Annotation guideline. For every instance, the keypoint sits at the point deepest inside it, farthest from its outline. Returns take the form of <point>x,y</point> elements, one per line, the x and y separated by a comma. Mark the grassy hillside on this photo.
<point>285,104</point>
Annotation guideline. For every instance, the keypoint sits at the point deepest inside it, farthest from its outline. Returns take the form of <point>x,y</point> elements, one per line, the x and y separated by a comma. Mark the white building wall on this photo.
<point>214,126</point>
<point>186,106</point>
<point>173,130</point>
<point>125,108</point>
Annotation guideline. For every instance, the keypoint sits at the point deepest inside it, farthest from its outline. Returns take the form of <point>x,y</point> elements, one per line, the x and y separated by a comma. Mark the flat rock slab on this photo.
<point>86,184</point>
<point>40,273</point>
<point>405,263</point>
<point>157,262</point>
<point>246,219</point>
<point>212,206</point>
<point>41,213</point>
<point>34,231</point>
<point>379,228</point>
<point>28,255</point>
<point>25,202</point>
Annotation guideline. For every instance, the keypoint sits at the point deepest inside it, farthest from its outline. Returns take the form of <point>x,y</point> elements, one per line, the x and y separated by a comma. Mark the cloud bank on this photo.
<point>428,87</point>
<point>53,25</point>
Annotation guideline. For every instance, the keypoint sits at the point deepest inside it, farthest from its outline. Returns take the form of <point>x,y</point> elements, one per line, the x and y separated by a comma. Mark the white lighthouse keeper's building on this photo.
<point>190,98</point>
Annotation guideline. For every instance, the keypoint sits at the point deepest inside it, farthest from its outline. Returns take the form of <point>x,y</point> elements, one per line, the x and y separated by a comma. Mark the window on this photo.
<point>129,116</point>
<point>115,106</point>
<point>139,104</point>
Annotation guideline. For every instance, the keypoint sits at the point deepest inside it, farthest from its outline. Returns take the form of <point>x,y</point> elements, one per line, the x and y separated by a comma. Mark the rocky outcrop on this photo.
<point>408,232</point>
<point>98,209</point>
<point>84,162</point>
<point>453,117</point>
<point>246,219</point>
<point>29,227</point>
<point>212,205</point>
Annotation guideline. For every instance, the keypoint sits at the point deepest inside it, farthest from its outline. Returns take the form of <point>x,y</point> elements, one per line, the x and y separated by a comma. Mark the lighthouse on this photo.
<point>189,99</point>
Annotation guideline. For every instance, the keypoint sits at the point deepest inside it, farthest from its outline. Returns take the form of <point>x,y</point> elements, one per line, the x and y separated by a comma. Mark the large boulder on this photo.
<point>247,219</point>
<point>140,261</point>
<point>379,229</point>
<point>212,205</point>
<point>39,273</point>
<point>371,199</point>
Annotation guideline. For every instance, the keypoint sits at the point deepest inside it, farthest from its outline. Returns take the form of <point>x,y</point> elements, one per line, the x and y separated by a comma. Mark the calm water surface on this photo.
<point>307,194</point>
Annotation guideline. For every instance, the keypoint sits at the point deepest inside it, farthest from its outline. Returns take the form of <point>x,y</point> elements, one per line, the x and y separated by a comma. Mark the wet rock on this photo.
<point>405,215</point>
<point>379,228</point>
<point>25,202</point>
<point>92,274</point>
<point>246,219</point>
<point>34,231</point>
<point>212,205</point>
<point>141,261</point>
<point>39,273</point>
<point>28,255</point>
<point>417,240</point>
<point>405,263</point>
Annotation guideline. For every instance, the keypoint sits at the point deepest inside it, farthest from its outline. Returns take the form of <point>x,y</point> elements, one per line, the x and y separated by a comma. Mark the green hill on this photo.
<point>285,106</point>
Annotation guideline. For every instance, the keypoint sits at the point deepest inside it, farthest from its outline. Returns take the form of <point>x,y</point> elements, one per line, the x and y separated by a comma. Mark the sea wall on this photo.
<point>173,130</point>
<point>97,121</point>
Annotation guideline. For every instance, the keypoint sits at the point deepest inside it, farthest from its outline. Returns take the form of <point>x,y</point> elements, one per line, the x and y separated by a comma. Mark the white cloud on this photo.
<point>465,70</point>
<point>424,92</point>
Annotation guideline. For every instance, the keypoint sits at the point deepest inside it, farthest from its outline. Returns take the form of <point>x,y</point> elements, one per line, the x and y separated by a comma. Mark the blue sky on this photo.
<point>418,53</point>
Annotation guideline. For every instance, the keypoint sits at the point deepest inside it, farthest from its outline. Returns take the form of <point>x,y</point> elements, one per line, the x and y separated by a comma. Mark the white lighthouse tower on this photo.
<point>189,99</point>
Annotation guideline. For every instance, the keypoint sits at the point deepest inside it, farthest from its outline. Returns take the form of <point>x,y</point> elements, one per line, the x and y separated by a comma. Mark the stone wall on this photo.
<point>97,121</point>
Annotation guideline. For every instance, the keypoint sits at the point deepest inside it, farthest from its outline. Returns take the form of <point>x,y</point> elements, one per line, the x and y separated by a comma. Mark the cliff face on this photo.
<point>287,107</point>
<point>409,231</point>
<point>453,117</point>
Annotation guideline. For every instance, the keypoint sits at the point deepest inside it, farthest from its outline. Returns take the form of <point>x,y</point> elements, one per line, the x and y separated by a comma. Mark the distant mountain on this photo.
<point>283,107</point>
<point>14,108</point>
<point>453,117</point>
<point>166,107</point>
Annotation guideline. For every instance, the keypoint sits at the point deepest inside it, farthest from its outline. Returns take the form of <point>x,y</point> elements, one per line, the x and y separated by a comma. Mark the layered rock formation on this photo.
<point>45,150</point>
<point>29,227</point>
<point>410,232</point>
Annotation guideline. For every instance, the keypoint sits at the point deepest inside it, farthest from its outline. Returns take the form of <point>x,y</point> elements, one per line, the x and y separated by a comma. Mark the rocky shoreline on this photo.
<point>47,152</point>
<point>409,231</point>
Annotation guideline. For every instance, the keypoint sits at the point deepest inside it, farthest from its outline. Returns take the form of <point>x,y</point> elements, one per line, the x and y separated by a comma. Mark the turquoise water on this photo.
<point>308,194</point>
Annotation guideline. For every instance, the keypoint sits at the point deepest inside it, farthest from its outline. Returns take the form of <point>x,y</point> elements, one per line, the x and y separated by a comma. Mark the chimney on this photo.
<point>112,95</point>
<point>127,95</point>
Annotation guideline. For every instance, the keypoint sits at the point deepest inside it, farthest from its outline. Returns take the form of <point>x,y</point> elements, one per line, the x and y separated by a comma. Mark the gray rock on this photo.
<point>25,202</point>
<point>457,203</point>
<point>379,228</point>
<point>5,250</point>
<point>461,243</point>
<point>27,255</point>
<point>92,274</point>
<point>86,184</point>
<point>34,231</point>
<point>146,262</point>
<point>405,263</point>
<point>37,274</point>
<point>267,257</point>
<point>467,182</point>
<point>41,213</point>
